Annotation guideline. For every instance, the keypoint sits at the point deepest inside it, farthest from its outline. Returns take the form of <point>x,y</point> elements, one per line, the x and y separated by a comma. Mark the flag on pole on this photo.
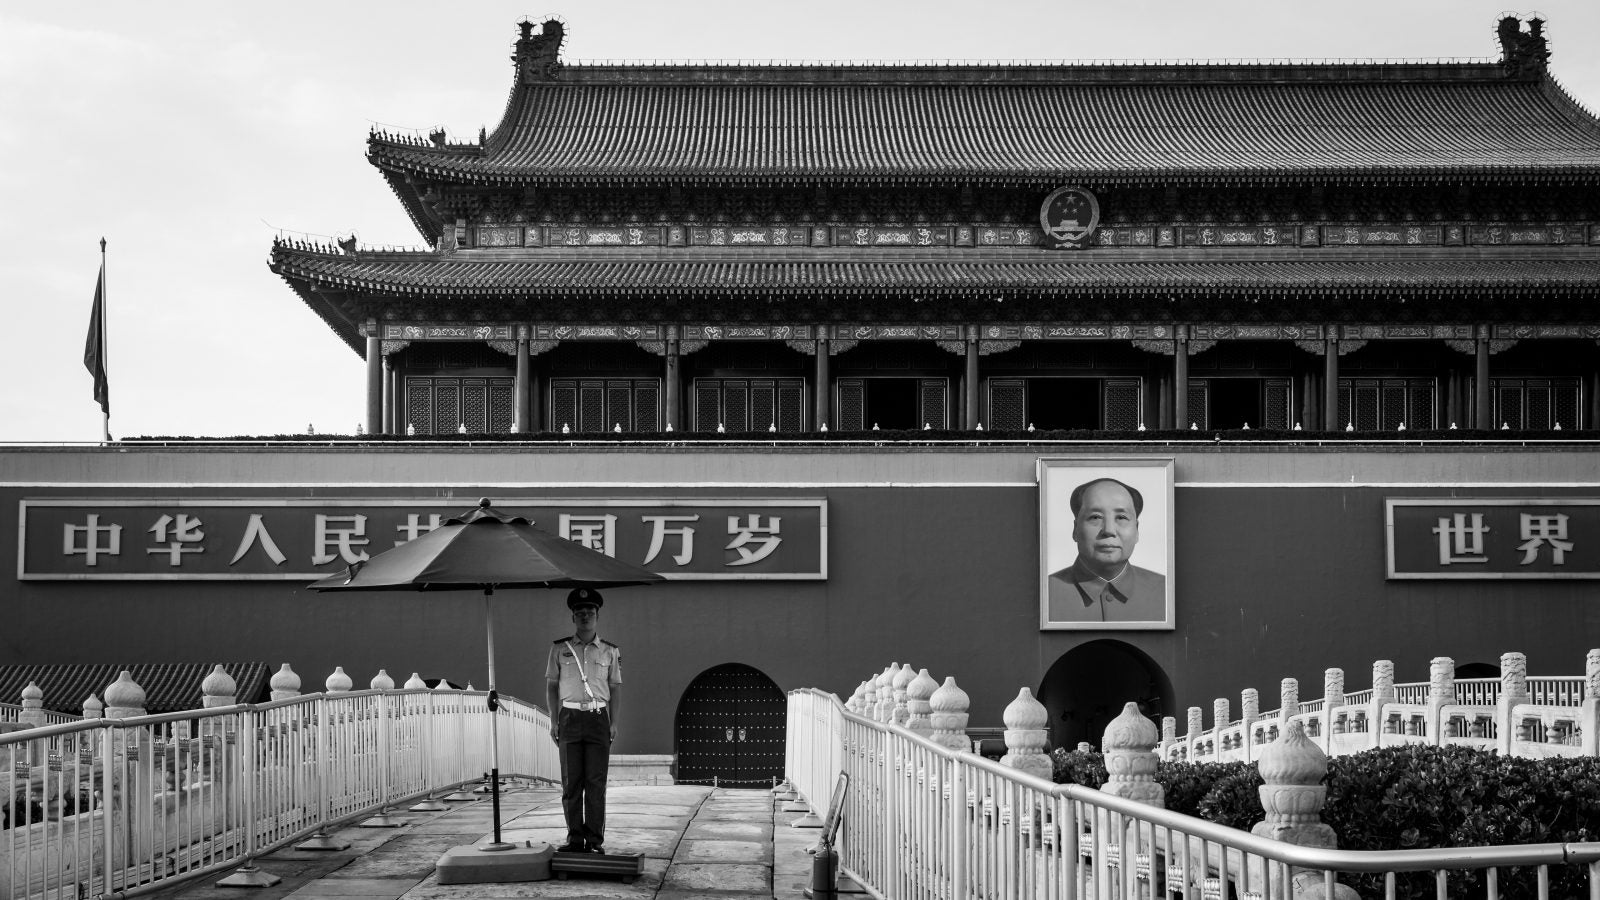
<point>94,349</point>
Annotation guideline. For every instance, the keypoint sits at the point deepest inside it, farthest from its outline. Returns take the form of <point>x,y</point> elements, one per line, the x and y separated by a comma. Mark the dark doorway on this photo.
<point>893,403</point>
<point>1236,402</point>
<point>1087,686</point>
<point>730,729</point>
<point>1060,403</point>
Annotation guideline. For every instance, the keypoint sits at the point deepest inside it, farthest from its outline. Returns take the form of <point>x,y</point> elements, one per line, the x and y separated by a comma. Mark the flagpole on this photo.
<point>105,342</point>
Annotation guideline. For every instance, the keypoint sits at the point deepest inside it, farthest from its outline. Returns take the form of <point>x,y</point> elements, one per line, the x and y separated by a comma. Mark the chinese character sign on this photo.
<point>300,540</point>
<point>1493,537</point>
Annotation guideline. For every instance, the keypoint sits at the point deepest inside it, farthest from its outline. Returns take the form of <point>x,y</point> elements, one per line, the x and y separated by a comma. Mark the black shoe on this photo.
<point>571,847</point>
<point>596,848</point>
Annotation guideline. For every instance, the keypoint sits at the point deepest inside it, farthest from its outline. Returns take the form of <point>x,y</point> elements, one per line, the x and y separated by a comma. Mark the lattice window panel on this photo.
<point>563,405</point>
<point>1199,404</point>
<point>763,405</point>
<point>1536,403</point>
<point>591,406</point>
<point>1372,404</point>
<point>736,405</point>
<point>419,405</point>
<point>707,405</point>
<point>502,405</point>
<point>1367,405</point>
<point>1121,404</point>
<point>1008,404</point>
<point>619,406</point>
<point>1392,404</point>
<point>1276,403</point>
<point>791,405</point>
<point>647,407</point>
<point>446,406</point>
<point>935,397</point>
<point>852,409</point>
<point>474,404</point>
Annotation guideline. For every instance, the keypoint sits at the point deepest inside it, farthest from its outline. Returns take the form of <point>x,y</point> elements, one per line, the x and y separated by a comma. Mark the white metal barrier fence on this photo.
<point>922,821</point>
<point>106,806</point>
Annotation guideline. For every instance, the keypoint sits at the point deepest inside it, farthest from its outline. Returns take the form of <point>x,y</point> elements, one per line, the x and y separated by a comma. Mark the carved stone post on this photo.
<point>1219,721</point>
<point>382,681</point>
<point>338,682</point>
<point>883,688</point>
<point>1027,736</point>
<point>1129,744</point>
<point>902,681</point>
<point>949,705</point>
<point>1513,690</point>
<point>1169,733</point>
<point>855,701</point>
<point>124,698</point>
<point>1332,699</point>
<point>93,708</point>
<point>1382,696</point>
<point>1441,692</point>
<point>1196,725</point>
<point>218,689</point>
<point>1288,700</point>
<point>918,693</point>
<point>285,683</point>
<point>1249,712</point>
<point>1293,768</point>
<point>32,714</point>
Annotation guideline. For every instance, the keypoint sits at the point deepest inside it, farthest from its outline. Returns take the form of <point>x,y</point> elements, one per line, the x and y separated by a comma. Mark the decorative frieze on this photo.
<point>892,332</point>
<point>748,332</point>
<point>1255,332</point>
<point>1532,332</point>
<point>598,332</point>
<point>476,332</point>
<point>1232,236</point>
<point>624,236</point>
<point>1405,332</point>
<point>740,236</point>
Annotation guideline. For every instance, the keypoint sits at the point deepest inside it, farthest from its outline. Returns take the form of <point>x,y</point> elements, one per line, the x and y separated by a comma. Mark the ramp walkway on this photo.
<point>697,843</point>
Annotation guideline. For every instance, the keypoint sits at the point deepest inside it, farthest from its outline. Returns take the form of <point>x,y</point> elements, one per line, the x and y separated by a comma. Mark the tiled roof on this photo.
<point>168,687</point>
<point>1021,125</point>
<point>865,273</point>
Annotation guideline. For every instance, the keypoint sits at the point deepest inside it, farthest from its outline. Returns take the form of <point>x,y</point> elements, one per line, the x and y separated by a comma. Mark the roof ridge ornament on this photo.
<point>538,56</point>
<point>1523,53</point>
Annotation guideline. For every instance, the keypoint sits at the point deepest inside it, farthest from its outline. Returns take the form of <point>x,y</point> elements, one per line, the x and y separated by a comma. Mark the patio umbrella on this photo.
<point>485,550</point>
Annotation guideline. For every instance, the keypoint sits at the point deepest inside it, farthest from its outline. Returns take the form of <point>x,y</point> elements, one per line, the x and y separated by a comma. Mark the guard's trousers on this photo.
<point>585,757</point>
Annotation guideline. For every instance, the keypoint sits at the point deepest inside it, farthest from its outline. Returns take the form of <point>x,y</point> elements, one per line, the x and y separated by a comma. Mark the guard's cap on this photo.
<point>584,597</point>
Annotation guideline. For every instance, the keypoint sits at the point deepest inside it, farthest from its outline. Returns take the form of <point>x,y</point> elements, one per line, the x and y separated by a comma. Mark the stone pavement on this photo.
<point>698,843</point>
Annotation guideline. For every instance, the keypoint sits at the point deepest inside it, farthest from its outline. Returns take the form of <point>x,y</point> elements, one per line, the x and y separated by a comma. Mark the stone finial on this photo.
<point>1332,688</point>
<point>442,685</point>
<point>1027,735</point>
<point>415,682</point>
<point>218,689</point>
<point>883,705</point>
<point>1591,674</point>
<point>338,682</point>
<point>382,681</point>
<point>918,693</point>
<point>1084,747</point>
<point>1249,705</point>
<point>1169,730</point>
<point>902,679</point>
<point>1196,722</point>
<point>1441,681</point>
<point>1288,699</point>
<point>285,683</point>
<point>1383,680</point>
<point>124,698</point>
<point>93,708</point>
<point>1292,797</point>
<point>857,701</point>
<point>1219,712</point>
<point>1128,744</point>
<point>948,716</point>
<point>32,714</point>
<point>1514,677</point>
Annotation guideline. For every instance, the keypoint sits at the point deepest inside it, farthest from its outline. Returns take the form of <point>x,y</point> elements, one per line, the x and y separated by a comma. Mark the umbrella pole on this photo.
<point>494,726</point>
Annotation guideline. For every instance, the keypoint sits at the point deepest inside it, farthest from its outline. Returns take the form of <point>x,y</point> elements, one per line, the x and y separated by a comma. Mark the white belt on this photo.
<point>586,704</point>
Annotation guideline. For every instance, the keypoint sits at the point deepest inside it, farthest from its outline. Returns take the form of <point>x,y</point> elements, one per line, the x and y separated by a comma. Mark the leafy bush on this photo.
<point>1085,767</point>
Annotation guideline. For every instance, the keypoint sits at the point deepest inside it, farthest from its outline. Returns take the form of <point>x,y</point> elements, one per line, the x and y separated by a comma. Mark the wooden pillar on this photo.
<point>971,380</point>
<point>1180,377</point>
<point>524,389</point>
<point>1330,381</point>
<point>1483,410</point>
<point>374,379</point>
<point>673,388</point>
<point>388,393</point>
<point>824,386</point>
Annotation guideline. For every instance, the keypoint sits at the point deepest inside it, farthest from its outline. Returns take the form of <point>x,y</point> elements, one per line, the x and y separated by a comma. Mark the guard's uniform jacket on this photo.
<point>602,663</point>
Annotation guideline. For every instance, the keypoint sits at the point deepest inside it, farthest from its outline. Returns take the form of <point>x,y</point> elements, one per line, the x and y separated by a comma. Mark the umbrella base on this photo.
<point>472,864</point>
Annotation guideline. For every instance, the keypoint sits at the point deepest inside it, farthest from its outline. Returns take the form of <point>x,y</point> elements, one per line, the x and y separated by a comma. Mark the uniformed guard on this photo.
<point>581,685</point>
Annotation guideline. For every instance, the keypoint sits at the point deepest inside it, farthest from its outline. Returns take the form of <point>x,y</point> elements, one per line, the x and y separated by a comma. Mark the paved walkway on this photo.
<point>698,843</point>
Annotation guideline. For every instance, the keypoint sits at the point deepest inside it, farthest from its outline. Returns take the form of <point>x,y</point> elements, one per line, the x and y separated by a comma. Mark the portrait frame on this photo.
<point>1155,552</point>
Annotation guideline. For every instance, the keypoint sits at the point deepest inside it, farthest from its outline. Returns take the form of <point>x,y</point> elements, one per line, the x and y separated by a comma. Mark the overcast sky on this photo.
<point>188,134</point>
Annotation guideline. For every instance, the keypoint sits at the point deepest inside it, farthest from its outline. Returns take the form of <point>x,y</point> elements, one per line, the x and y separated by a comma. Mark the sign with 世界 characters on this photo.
<point>293,539</point>
<point>1493,537</point>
